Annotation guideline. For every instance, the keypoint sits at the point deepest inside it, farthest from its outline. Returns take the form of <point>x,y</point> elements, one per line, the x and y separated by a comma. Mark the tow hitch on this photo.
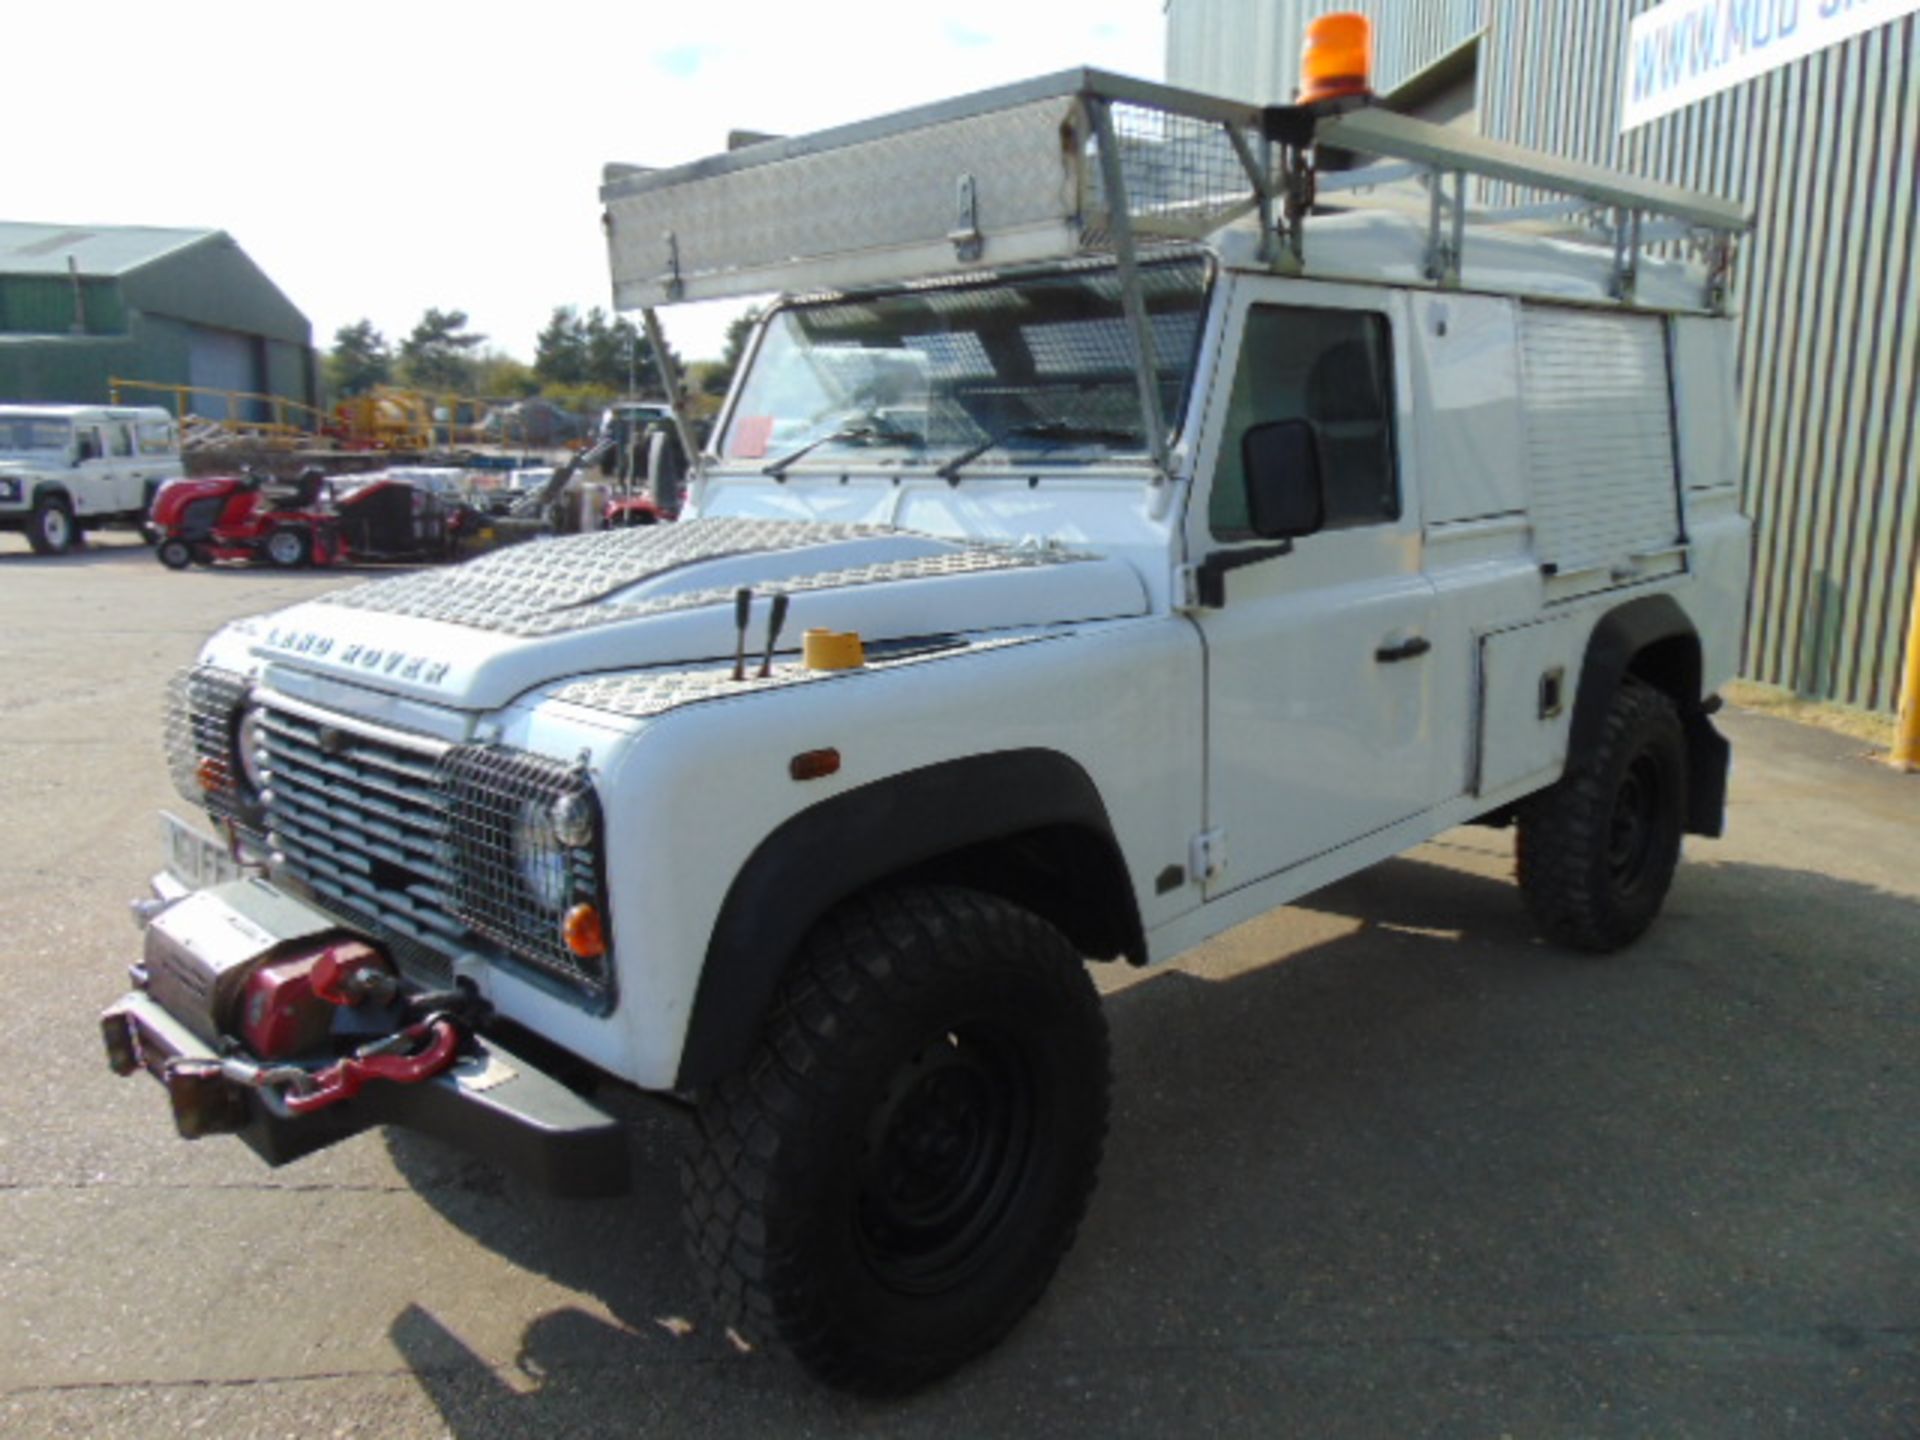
<point>262,1018</point>
<point>303,1091</point>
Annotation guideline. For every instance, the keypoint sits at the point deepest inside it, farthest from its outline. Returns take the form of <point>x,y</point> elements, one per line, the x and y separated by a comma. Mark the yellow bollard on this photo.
<point>1906,734</point>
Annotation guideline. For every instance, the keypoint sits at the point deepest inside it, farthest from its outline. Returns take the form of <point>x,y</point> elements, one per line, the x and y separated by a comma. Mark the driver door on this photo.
<point>1320,668</point>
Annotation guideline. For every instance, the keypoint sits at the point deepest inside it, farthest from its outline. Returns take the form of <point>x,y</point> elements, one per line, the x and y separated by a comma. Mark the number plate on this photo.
<point>194,857</point>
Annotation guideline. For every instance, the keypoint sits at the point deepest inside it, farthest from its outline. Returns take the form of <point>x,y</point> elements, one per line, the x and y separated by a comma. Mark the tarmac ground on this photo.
<point>1382,1164</point>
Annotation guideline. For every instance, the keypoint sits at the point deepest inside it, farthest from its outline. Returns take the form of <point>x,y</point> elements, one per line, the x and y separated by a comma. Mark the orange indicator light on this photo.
<point>813,764</point>
<point>585,935</point>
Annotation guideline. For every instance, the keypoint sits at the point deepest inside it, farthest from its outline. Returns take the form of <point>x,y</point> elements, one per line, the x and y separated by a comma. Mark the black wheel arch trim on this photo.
<point>1653,639</point>
<point>890,828</point>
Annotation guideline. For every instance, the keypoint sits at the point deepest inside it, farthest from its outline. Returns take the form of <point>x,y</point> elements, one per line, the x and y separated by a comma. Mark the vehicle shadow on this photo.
<point>132,553</point>
<point>117,548</point>
<point>1427,1176</point>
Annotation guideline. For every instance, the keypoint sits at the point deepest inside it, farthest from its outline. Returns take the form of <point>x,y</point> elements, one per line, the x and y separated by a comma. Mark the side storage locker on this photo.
<point>1598,410</point>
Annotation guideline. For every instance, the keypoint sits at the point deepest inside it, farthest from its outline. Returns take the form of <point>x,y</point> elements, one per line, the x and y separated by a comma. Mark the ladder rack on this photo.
<point>1084,163</point>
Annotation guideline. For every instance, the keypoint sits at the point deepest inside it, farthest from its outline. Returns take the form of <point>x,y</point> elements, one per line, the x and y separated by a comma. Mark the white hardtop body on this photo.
<point>64,468</point>
<point>1254,723</point>
<point>1099,547</point>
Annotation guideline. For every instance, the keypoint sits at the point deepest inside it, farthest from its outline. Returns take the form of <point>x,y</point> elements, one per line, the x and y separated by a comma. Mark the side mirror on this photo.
<point>1286,489</point>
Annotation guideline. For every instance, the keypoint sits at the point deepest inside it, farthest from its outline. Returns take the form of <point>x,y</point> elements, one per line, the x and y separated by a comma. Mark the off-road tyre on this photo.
<point>890,1183</point>
<point>51,529</point>
<point>1596,853</point>
<point>288,548</point>
<point>174,553</point>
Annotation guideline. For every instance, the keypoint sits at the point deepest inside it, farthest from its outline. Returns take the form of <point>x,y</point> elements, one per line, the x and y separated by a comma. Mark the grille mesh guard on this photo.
<point>514,876</point>
<point>202,704</point>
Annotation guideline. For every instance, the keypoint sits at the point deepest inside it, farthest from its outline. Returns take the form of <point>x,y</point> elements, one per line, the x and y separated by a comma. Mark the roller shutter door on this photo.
<point>1599,434</point>
<point>224,360</point>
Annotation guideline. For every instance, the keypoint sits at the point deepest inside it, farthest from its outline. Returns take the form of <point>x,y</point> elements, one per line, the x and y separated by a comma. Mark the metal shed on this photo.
<point>80,304</point>
<point>1827,287</point>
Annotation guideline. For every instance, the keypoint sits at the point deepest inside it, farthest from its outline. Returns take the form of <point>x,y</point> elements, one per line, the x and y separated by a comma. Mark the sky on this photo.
<point>378,159</point>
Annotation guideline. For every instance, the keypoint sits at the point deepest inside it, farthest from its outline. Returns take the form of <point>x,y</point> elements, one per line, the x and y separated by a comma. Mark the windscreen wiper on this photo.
<point>868,434</point>
<point>1062,430</point>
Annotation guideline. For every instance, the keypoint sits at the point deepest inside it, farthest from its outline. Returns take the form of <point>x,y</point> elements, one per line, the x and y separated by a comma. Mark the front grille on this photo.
<point>361,824</point>
<point>198,517</point>
<point>418,844</point>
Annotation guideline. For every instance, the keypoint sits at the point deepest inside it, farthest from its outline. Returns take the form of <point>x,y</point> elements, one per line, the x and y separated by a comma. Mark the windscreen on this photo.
<point>1035,369</point>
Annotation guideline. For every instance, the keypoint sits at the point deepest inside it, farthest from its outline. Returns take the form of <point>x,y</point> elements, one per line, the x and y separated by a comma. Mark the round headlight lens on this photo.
<point>540,856</point>
<point>249,741</point>
<point>573,821</point>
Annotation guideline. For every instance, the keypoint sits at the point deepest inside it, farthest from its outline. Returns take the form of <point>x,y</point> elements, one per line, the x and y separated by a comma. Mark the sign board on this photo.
<point>1685,50</point>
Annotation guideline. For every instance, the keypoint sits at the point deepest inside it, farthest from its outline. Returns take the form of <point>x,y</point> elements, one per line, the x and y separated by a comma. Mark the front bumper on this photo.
<point>490,1101</point>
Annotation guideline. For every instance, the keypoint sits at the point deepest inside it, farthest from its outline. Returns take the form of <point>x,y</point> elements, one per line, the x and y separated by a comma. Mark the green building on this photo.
<point>81,305</point>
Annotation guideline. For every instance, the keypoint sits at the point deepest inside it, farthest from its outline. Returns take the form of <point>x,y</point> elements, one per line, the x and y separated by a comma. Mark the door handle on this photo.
<point>1409,649</point>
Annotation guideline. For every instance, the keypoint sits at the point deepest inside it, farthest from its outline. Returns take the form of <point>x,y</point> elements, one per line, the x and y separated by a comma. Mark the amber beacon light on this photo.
<point>1337,60</point>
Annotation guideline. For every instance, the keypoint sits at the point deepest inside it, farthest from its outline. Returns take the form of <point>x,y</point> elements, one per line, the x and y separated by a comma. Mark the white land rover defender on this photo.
<point>1139,515</point>
<point>67,469</point>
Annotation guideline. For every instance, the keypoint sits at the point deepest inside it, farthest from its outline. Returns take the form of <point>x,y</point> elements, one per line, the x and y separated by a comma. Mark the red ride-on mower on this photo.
<point>245,517</point>
<point>311,520</point>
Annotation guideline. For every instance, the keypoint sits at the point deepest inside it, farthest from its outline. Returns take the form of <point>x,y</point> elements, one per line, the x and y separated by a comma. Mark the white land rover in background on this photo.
<point>67,469</point>
<point>1126,534</point>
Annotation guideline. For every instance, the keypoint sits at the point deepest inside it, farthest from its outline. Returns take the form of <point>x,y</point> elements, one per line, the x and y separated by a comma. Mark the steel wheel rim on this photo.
<point>1633,830</point>
<point>286,548</point>
<point>947,1147</point>
<point>57,528</point>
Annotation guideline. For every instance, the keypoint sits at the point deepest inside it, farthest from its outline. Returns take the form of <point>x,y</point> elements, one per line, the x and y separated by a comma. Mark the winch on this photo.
<point>265,1017</point>
<point>288,1004</point>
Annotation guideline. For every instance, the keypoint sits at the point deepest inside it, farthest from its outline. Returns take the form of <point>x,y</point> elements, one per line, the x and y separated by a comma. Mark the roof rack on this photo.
<point>1089,163</point>
<point>1025,173</point>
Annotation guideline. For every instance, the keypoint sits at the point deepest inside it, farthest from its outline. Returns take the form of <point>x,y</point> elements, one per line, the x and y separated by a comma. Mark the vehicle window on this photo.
<point>1329,367</point>
<point>119,440</point>
<point>155,438</point>
<point>1038,368</point>
<point>34,435</point>
<point>89,443</point>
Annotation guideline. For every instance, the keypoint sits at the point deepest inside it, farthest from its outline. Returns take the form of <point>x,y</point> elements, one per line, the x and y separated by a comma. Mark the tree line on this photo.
<point>579,362</point>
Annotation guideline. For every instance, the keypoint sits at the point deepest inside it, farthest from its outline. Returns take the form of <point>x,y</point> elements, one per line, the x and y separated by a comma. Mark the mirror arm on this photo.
<point>1210,578</point>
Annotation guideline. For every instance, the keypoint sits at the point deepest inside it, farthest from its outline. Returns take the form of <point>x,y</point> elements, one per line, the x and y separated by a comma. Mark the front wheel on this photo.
<point>175,553</point>
<point>50,529</point>
<point>288,549</point>
<point>890,1183</point>
<point>1597,851</point>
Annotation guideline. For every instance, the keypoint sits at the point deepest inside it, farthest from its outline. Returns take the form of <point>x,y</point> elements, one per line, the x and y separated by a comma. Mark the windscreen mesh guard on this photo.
<point>1184,175</point>
<point>524,832</point>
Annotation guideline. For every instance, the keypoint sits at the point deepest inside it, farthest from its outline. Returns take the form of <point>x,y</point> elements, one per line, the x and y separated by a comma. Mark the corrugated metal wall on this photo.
<point>43,305</point>
<point>1828,285</point>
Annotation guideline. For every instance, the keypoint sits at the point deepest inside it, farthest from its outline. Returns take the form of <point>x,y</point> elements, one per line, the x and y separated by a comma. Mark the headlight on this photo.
<point>203,751</point>
<point>541,855</point>
<point>247,744</point>
<point>524,854</point>
<point>10,490</point>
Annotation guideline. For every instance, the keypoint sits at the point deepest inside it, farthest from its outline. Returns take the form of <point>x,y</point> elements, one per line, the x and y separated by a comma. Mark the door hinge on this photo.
<point>1207,855</point>
<point>1186,588</point>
